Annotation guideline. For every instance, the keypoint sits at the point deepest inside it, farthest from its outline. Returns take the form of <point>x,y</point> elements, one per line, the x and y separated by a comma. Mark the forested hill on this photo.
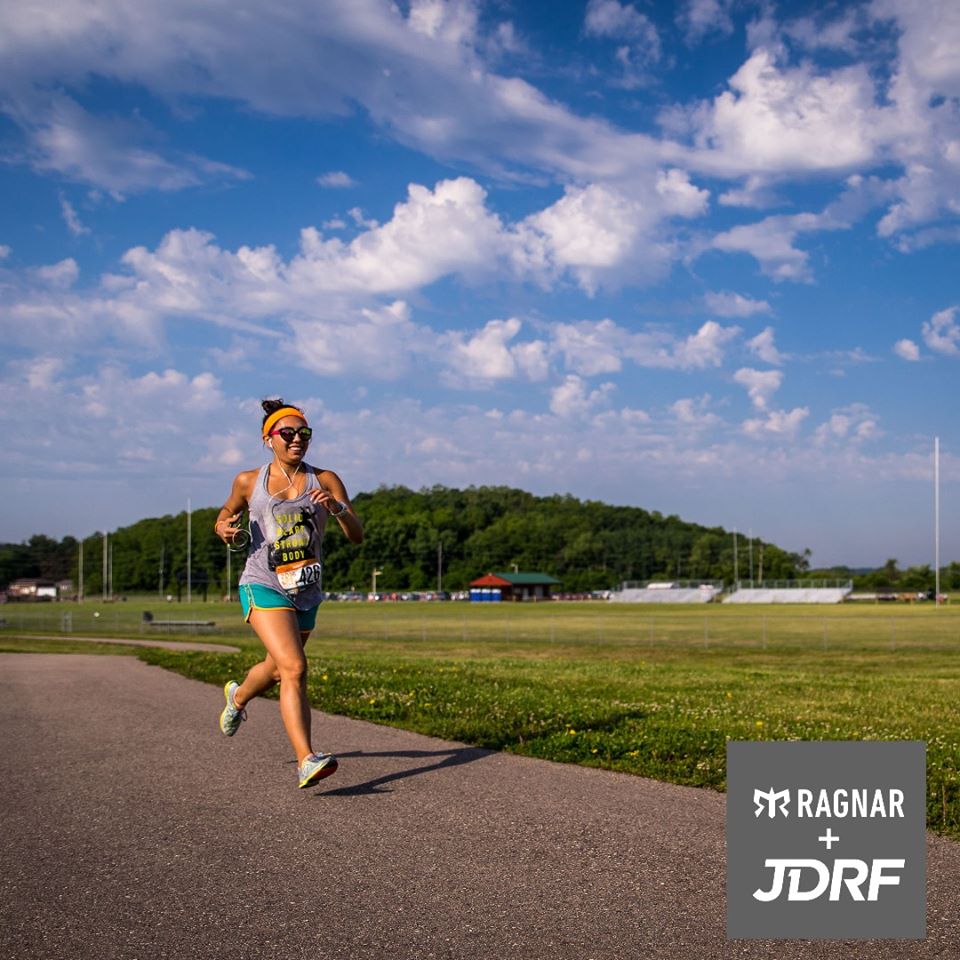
<point>586,545</point>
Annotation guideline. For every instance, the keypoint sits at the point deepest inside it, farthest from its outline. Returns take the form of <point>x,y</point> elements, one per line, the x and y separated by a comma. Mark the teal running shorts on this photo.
<point>254,596</point>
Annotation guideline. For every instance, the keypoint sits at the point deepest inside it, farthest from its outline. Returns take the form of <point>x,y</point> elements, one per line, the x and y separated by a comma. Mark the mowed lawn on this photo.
<point>655,691</point>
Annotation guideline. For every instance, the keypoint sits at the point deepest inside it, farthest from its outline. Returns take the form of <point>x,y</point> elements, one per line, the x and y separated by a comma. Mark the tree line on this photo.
<point>433,538</point>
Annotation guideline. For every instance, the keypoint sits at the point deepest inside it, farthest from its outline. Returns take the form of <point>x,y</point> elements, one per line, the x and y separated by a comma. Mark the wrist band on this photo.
<point>343,509</point>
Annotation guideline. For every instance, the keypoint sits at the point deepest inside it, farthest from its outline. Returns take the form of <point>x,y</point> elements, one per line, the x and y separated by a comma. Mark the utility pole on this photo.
<point>80,575</point>
<point>373,585</point>
<point>104,566</point>
<point>439,566</point>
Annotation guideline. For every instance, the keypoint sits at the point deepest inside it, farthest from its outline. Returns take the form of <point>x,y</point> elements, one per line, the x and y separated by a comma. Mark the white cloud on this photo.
<point>781,423</point>
<point>906,350</point>
<point>487,355</point>
<point>450,21</point>
<point>335,293</point>
<point>819,32</point>
<point>419,77</point>
<point>680,197</point>
<point>608,18</point>
<point>377,342</point>
<point>928,41</point>
<point>60,275</point>
<point>591,232</point>
<point>698,18</point>
<point>756,192</point>
<point>336,179</point>
<point>762,346</point>
<point>695,412</point>
<point>432,234</point>
<point>923,128</point>
<point>726,304</point>
<point>5,251</point>
<point>941,333</point>
<point>590,348</point>
<point>65,138</point>
<point>771,242</point>
<point>927,191</point>
<point>852,424</point>
<point>41,373</point>
<point>705,348</point>
<point>640,41</point>
<point>927,237</point>
<point>782,119</point>
<point>761,385</point>
<point>111,422</point>
<point>573,399</point>
<point>71,219</point>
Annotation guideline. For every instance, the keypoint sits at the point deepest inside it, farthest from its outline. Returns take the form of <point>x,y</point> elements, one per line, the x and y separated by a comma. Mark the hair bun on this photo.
<point>270,405</point>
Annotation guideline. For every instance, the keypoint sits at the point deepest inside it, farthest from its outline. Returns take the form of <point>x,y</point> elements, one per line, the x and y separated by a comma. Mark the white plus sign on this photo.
<point>828,838</point>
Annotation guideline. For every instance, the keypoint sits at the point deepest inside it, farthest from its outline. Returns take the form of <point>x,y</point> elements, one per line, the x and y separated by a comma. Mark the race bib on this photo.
<point>297,576</point>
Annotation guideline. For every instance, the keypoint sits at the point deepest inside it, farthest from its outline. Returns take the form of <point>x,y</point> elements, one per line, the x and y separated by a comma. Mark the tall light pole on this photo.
<point>736,566</point>
<point>373,585</point>
<point>80,575</point>
<point>104,566</point>
<point>189,558</point>
<point>936,518</point>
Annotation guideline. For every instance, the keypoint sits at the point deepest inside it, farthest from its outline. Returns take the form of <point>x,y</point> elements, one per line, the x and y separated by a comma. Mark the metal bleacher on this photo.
<point>790,591</point>
<point>677,591</point>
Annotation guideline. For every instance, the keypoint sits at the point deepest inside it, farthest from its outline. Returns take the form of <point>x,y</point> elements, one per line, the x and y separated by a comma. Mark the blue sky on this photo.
<point>699,257</point>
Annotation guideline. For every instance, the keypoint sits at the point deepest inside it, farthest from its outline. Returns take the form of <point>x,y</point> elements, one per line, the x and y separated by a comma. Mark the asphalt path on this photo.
<point>131,828</point>
<point>125,642</point>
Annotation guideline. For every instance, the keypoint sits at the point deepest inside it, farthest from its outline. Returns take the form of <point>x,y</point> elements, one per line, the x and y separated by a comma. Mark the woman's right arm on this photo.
<point>225,524</point>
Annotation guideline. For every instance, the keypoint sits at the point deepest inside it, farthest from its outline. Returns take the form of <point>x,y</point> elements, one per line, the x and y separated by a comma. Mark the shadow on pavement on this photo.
<point>451,758</point>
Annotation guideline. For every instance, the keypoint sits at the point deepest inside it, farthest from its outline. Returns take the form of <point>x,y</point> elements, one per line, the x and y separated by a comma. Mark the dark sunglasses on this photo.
<point>288,433</point>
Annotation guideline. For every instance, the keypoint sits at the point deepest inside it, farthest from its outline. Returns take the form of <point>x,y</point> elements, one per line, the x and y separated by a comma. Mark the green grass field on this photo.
<point>654,691</point>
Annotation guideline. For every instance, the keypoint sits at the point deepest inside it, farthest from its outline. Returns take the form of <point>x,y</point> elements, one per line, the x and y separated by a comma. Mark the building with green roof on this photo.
<point>496,587</point>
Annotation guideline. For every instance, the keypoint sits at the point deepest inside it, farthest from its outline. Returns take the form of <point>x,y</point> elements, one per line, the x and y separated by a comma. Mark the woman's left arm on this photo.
<point>332,495</point>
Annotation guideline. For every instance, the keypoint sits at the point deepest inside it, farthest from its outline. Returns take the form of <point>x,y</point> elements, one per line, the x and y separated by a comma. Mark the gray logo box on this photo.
<point>826,840</point>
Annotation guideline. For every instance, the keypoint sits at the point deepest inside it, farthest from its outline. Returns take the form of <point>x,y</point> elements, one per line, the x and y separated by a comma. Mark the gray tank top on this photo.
<point>286,542</point>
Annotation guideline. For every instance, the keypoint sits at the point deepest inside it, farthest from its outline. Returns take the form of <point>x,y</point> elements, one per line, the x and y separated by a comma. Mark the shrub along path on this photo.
<point>133,828</point>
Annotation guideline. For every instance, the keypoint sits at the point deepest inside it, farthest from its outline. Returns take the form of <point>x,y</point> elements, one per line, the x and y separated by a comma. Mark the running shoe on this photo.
<point>315,768</point>
<point>232,714</point>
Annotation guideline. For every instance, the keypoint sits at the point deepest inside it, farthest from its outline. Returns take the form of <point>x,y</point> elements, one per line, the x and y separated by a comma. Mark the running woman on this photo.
<point>289,503</point>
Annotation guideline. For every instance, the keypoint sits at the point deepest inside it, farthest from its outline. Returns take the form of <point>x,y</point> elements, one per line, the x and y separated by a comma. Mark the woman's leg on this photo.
<point>261,677</point>
<point>286,663</point>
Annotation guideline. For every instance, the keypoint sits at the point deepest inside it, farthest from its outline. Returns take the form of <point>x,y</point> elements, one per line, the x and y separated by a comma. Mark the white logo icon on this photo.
<point>770,798</point>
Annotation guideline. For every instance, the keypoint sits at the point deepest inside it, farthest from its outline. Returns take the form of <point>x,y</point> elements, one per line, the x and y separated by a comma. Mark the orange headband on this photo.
<point>278,415</point>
